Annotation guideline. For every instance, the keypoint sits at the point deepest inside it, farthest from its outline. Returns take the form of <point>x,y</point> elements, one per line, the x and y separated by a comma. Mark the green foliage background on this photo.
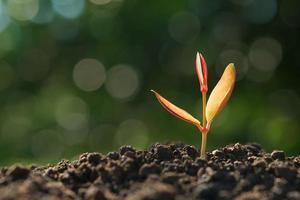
<point>75,75</point>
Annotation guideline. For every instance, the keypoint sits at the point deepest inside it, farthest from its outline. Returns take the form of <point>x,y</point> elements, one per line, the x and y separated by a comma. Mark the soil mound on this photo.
<point>164,172</point>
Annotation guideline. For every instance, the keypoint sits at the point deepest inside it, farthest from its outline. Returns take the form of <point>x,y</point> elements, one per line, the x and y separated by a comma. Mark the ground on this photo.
<point>163,172</point>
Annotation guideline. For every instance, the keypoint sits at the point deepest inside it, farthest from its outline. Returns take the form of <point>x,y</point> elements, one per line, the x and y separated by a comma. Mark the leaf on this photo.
<point>176,111</point>
<point>221,93</point>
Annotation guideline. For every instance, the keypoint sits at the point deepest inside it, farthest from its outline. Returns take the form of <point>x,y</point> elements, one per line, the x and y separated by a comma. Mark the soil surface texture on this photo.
<point>164,172</point>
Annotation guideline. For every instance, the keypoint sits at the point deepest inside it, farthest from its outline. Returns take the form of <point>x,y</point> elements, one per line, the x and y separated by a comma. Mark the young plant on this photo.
<point>216,102</point>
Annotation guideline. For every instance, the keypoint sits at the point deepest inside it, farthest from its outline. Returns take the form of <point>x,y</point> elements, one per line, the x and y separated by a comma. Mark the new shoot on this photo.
<point>216,101</point>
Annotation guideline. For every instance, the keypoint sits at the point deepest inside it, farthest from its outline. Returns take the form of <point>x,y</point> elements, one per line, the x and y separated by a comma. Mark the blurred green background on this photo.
<point>75,75</point>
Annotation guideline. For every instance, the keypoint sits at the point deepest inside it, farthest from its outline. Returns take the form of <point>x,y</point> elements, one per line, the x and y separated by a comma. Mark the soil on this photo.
<point>164,172</point>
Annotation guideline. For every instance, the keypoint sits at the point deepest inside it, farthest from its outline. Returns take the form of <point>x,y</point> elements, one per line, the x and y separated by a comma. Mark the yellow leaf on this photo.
<point>176,111</point>
<point>221,93</point>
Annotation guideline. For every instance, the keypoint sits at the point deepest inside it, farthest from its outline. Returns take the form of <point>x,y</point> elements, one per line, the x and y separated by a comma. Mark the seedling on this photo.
<point>216,102</point>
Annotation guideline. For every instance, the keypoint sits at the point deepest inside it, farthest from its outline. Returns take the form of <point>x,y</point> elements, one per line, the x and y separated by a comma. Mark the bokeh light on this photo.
<point>23,9</point>
<point>89,74</point>
<point>72,113</point>
<point>260,12</point>
<point>45,13</point>
<point>184,27</point>
<point>4,18</point>
<point>69,8</point>
<point>265,54</point>
<point>133,132</point>
<point>122,81</point>
<point>205,8</point>
<point>100,2</point>
<point>227,28</point>
<point>9,39</point>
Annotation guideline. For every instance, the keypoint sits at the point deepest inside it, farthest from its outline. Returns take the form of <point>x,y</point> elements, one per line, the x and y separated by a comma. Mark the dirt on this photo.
<point>164,172</point>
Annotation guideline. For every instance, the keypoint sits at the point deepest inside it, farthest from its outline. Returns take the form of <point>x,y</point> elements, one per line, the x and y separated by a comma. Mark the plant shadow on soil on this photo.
<point>163,172</point>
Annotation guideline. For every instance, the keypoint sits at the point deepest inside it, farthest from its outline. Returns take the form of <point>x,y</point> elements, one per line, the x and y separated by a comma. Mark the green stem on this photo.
<point>204,108</point>
<point>203,146</point>
<point>204,131</point>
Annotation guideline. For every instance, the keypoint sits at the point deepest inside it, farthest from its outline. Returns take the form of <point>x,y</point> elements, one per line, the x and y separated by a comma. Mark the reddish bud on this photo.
<point>201,69</point>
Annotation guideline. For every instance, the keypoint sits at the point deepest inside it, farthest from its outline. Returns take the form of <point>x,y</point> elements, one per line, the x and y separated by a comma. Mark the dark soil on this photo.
<point>164,172</point>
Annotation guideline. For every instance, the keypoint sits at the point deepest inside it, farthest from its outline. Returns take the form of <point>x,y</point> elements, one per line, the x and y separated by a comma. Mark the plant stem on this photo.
<point>204,108</point>
<point>203,146</point>
<point>204,131</point>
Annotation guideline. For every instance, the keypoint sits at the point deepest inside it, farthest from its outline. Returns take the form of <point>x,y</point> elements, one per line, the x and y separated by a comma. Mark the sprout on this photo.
<point>216,102</point>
